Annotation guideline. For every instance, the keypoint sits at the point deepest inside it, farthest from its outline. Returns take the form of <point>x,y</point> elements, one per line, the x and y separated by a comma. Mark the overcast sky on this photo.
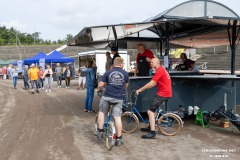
<point>56,18</point>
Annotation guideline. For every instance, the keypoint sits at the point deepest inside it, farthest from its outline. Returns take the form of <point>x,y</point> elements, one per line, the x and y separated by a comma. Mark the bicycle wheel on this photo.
<point>110,136</point>
<point>169,125</point>
<point>130,122</point>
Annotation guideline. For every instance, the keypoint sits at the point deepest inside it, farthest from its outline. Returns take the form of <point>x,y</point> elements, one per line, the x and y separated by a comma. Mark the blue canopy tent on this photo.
<point>35,59</point>
<point>57,57</point>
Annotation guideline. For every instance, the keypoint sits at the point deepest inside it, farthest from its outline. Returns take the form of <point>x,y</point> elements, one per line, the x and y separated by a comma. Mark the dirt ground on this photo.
<point>53,126</point>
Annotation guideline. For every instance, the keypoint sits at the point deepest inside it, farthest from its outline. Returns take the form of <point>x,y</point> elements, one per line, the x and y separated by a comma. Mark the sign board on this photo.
<point>42,63</point>
<point>20,65</point>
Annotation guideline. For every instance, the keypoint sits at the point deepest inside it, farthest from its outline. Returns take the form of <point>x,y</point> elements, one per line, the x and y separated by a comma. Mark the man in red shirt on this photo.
<point>143,60</point>
<point>163,82</point>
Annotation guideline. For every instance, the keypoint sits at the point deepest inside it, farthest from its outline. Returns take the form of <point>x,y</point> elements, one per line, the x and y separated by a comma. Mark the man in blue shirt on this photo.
<point>116,81</point>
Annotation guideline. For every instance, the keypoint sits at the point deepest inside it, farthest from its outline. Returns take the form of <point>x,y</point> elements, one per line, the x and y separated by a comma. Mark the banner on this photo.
<point>20,65</point>
<point>42,63</point>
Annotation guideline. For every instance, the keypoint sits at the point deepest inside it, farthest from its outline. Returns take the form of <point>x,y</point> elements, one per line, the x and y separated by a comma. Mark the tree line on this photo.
<point>11,36</point>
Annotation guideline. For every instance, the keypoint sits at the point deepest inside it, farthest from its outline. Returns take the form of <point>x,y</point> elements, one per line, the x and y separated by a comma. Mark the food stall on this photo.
<point>192,24</point>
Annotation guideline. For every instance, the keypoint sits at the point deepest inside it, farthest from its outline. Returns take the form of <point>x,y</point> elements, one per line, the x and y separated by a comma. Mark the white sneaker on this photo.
<point>46,91</point>
<point>42,88</point>
<point>66,86</point>
<point>49,90</point>
<point>58,86</point>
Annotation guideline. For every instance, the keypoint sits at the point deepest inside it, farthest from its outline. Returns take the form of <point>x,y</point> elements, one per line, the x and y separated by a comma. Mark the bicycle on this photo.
<point>168,123</point>
<point>109,132</point>
<point>222,113</point>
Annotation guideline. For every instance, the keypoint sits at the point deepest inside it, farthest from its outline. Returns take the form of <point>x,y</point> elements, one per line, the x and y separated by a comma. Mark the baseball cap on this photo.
<point>114,48</point>
<point>32,65</point>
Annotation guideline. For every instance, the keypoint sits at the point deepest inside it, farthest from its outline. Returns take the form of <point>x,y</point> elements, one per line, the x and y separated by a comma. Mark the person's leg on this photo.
<point>90,101</point>
<point>32,85</point>
<point>86,100</point>
<point>158,100</point>
<point>60,79</point>
<point>16,81</point>
<point>84,82</point>
<point>151,120</point>
<point>24,82</point>
<point>46,84</point>
<point>66,82</point>
<point>50,83</point>
<point>27,84</point>
<point>79,83</point>
<point>117,112</point>
<point>58,83</point>
<point>13,82</point>
<point>103,108</point>
<point>42,83</point>
<point>69,81</point>
<point>36,83</point>
<point>39,83</point>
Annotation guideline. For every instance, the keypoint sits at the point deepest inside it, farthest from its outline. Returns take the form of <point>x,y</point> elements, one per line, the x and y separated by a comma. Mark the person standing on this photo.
<point>40,79</point>
<point>33,74</point>
<point>116,81</point>
<point>9,69</point>
<point>108,63</point>
<point>4,72</point>
<point>143,60</point>
<point>48,78</point>
<point>114,51</point>
<point>25,77</point>
<point>163,81</point>
<point>90,84</point>
<point>82,78</point>
<point>67,76</point>
<point>14,74</point>
<point>58,72</point>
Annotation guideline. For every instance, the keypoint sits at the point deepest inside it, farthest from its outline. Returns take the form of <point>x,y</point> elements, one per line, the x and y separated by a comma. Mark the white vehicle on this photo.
<point>99,57</point>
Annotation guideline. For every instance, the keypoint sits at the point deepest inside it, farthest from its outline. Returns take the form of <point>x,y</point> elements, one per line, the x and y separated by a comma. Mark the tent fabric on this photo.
<point>35,59</point>
<point>197,24</point>
<point>57,57</point>
<point>3,63</point>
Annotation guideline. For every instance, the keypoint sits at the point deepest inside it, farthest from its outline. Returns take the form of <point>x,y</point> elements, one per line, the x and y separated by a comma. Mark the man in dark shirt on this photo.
<point>116,81</point>
<point>143,60</point>
<point>114,51</point>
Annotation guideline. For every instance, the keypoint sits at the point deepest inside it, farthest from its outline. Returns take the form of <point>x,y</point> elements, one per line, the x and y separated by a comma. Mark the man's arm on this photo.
<point>101,84</point>
<point>147,86</point>
<point>136,70</point>
<point>126,85</point>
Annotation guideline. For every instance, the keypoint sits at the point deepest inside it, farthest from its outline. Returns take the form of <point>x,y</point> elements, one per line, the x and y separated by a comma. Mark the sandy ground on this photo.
<point>53,126</point>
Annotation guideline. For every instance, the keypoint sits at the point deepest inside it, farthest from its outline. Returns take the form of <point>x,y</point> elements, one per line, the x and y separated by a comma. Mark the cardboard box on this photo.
<point>224,124</point>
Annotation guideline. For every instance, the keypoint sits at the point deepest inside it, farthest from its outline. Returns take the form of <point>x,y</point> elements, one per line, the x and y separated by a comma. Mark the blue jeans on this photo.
<point>40,83</point>
<point>89,98</point>
<point>25,82</point>
<point>15,78</point>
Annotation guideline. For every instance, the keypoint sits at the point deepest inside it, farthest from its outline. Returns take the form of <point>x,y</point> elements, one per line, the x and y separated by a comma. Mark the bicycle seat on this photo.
<point>111,104</point>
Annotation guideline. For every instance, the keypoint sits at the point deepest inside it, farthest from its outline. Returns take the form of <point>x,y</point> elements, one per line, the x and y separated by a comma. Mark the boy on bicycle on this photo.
<point>116,81</point>
<point>163,82</point>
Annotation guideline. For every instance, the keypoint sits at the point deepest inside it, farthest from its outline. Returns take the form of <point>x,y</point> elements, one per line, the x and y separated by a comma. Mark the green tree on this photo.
<point>68,38</point>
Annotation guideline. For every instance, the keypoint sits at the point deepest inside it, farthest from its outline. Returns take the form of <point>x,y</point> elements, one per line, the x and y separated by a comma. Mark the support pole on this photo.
<point>233,47</point>
<point>167,47</point>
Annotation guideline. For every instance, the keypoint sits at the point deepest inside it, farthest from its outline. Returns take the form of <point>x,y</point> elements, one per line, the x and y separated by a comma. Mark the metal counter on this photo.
<point>204,91</point>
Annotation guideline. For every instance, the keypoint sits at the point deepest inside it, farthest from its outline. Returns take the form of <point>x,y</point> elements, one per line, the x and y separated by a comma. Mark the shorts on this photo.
<point>158,100</point>
<point>117,107</point>
<point>82,80</point>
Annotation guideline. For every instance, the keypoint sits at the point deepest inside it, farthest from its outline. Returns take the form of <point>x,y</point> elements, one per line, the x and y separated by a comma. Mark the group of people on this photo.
<point>37,77</point>
<point>116,80</point>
